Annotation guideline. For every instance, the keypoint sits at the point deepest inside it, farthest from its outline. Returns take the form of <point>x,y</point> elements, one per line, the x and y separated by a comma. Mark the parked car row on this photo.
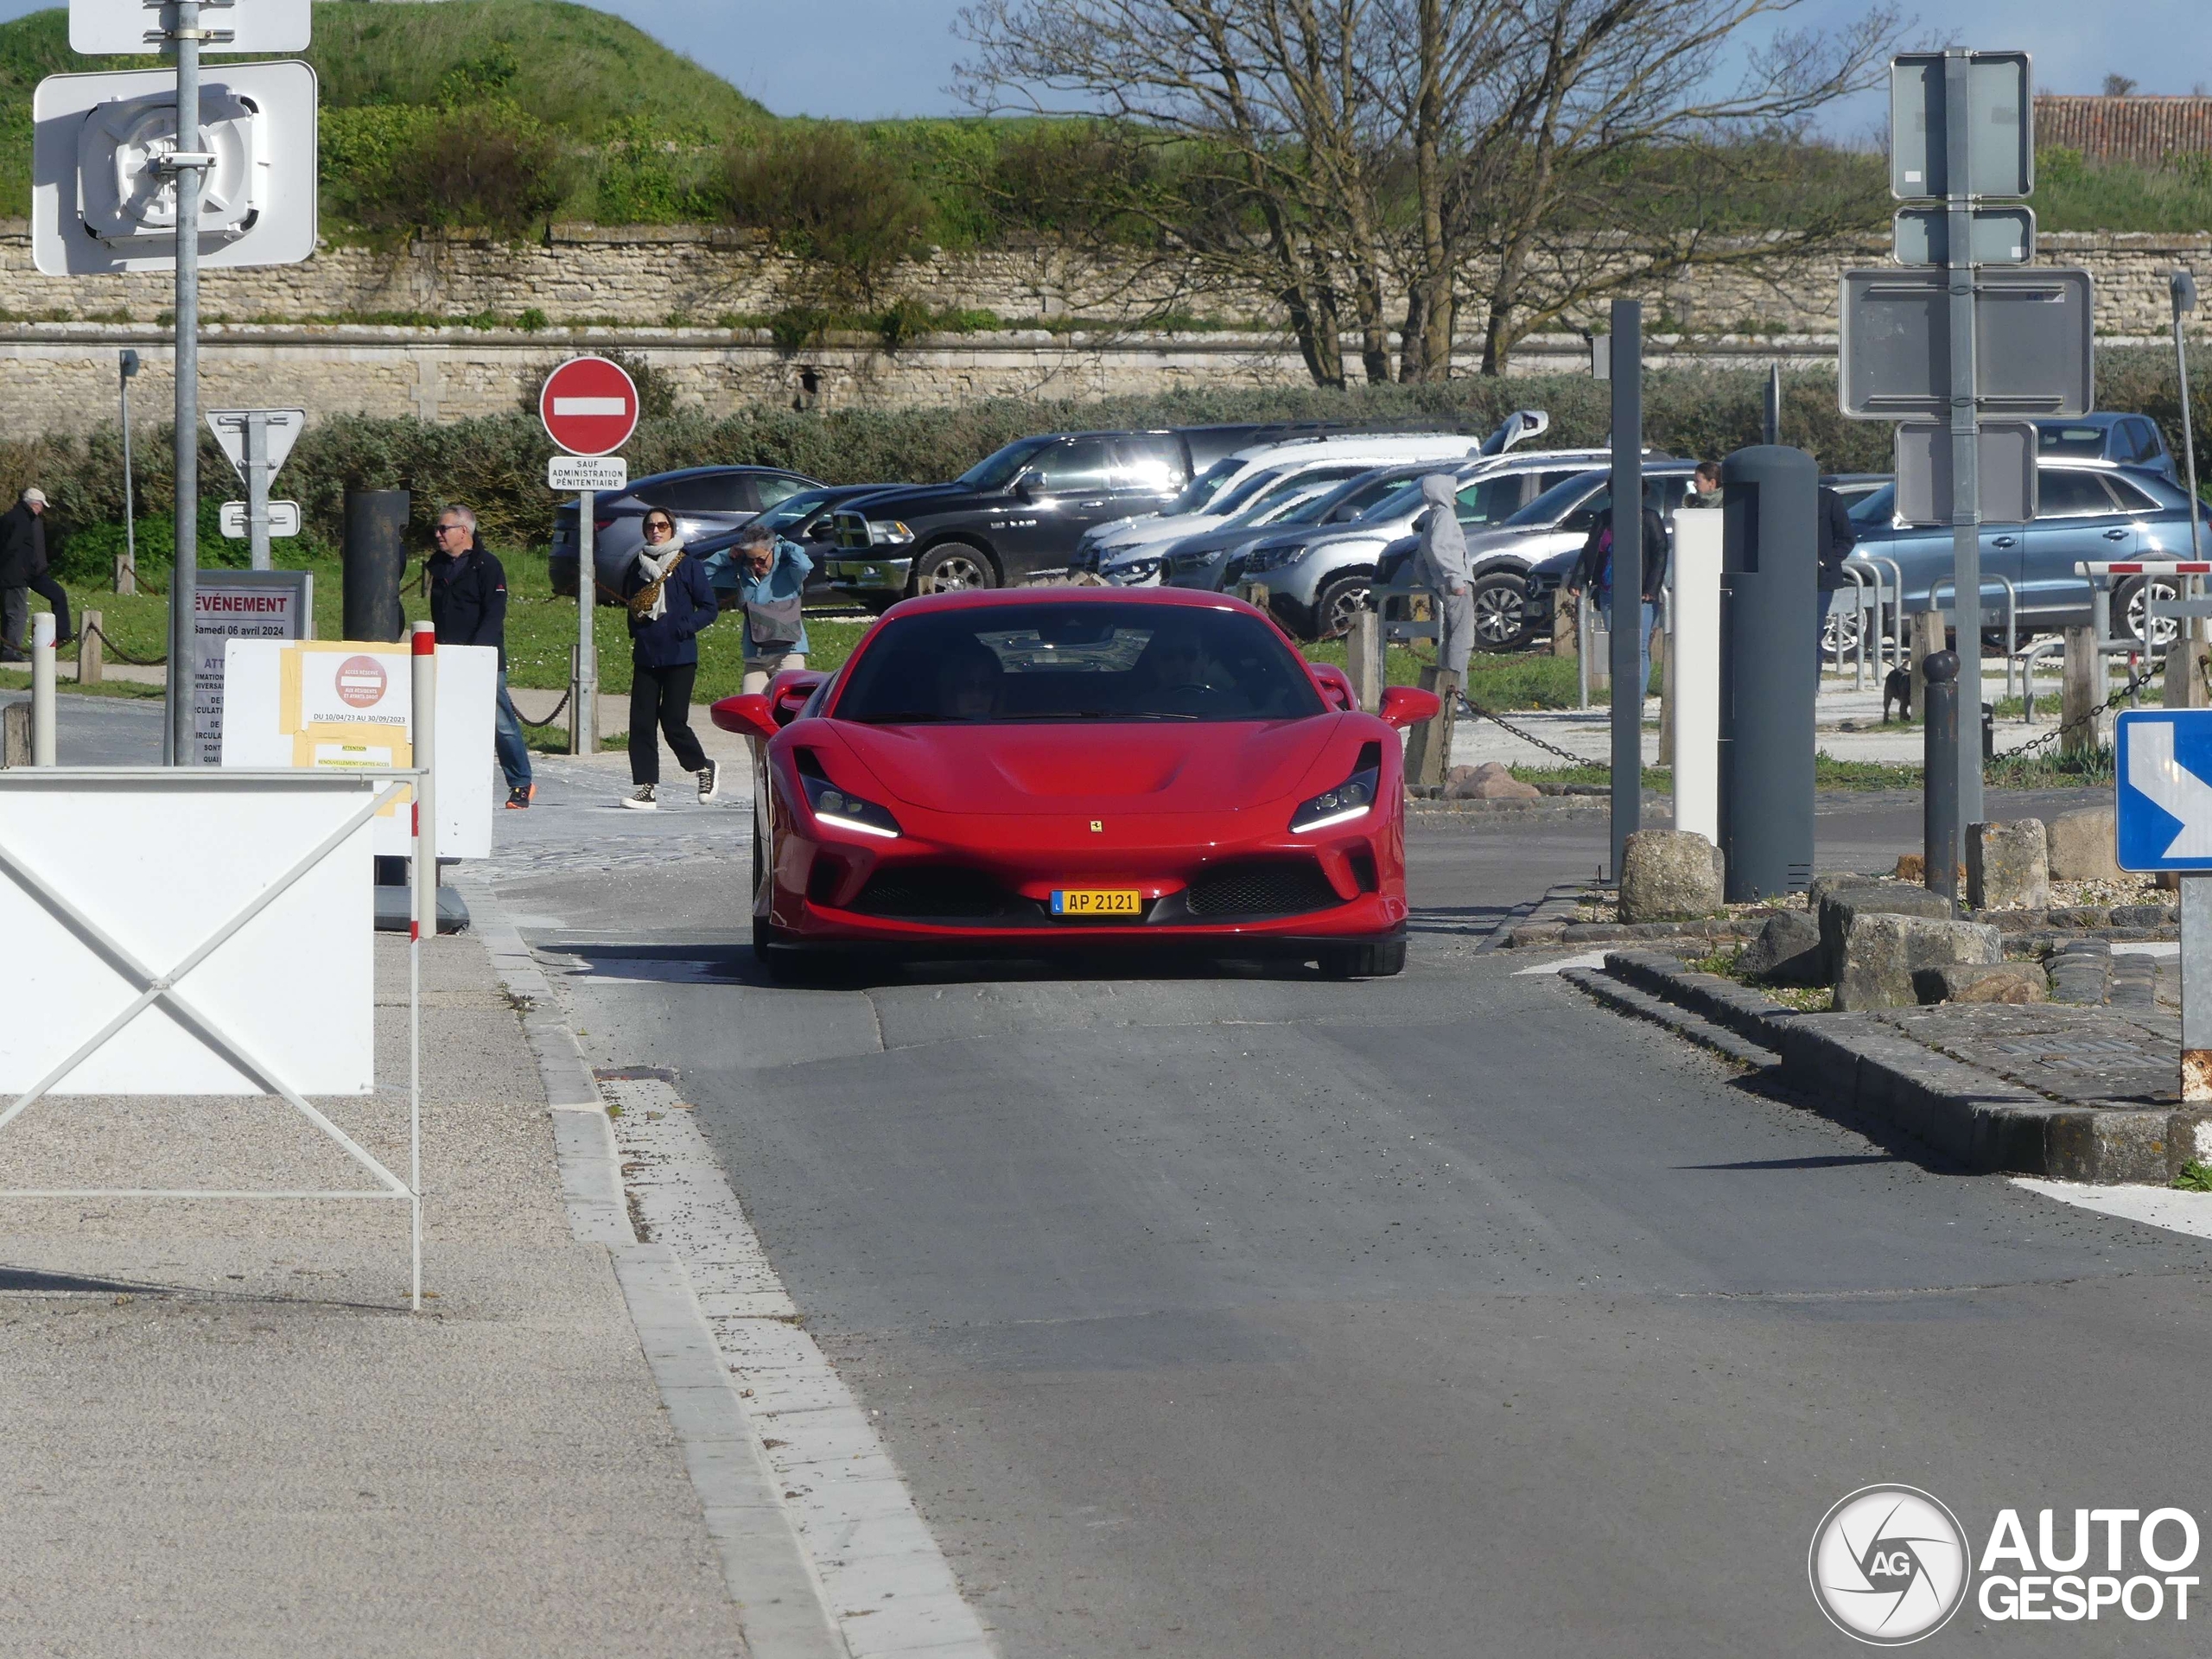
<point>1321,514</point>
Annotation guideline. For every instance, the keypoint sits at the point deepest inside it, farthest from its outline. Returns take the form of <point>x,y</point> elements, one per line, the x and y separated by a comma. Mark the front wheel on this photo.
<point>953,568</point>
<point>1501,607</point>
<point>1338,602</point>
<point>1377,960</point>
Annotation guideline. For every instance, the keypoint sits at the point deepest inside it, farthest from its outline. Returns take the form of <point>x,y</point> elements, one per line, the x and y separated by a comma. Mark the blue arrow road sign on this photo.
<point>2165,790</point>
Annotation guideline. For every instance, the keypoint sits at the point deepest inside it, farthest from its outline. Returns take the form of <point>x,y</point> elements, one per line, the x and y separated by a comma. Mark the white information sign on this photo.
<point>101,202</point>
<point>137,28</point>
<point>284,519</point>
<point>230,605</point>
<point>345,706</point>
<point>571,473</point>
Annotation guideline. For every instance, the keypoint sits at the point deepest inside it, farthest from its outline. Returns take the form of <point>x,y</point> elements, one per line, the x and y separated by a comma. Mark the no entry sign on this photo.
<point>589,406</point>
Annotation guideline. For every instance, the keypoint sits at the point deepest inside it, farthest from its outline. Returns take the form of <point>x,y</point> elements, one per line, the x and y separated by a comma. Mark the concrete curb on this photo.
<point>1858,1063</point>
<point>780,1600</point>
<point>1557,902</point>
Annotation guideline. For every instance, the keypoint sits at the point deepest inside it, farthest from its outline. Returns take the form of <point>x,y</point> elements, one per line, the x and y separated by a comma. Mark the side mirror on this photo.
<point>1403,706</point>
<point>1335,685</point>
<point>748,716</point>
<point>788,692</point>
<point>1029,484</point>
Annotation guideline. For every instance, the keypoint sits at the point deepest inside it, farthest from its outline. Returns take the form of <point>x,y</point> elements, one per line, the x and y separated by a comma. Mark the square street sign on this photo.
<point>2000,131</point>
<point>135,28</point>
<point>283,519</point>
<point>2006,471</point>
<point>2163,789</point>
<point>1999,236</point>
<point>2035,348</point>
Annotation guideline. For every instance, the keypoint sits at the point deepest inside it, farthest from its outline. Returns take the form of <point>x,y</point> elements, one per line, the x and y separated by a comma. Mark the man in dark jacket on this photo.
<point>468,607</point>
<point>23,571</point>
<point>1835,536</point>
<point>1593,573</point>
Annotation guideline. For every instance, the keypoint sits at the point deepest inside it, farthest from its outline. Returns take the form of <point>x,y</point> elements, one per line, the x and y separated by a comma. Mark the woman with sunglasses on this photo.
<point>670,599</point>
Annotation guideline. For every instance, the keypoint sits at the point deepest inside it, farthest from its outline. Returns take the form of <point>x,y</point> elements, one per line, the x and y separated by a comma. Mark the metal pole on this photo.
<point>127,578</point>
<point>2184,294</point>
<point>422,714</point>
<point>257,487</point>
<point>1627,618</point>
<point>583,710</point>
<point>1774,402</point>
<point>1582,650</point>
<point>1966,476</point>
<point>184,579</point>
<point>2196,989</point>
<point>1938,741</point>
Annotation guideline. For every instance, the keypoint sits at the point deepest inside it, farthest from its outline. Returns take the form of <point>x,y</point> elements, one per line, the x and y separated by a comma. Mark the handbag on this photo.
<point>774,623</point>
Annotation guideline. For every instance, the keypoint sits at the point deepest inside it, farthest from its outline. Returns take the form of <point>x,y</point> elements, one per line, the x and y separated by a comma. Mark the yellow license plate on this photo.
<point>1097,901</point>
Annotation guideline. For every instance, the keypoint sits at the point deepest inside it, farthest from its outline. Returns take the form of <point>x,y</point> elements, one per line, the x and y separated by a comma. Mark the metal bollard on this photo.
<point>1939,738</point>
<point>43,689</point>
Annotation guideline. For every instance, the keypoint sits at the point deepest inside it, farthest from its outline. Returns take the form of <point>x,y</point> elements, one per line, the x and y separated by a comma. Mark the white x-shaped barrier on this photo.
<point>151,949</point>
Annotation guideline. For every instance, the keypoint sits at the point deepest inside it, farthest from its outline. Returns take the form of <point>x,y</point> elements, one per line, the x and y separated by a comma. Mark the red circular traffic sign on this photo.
<point>589,406</point>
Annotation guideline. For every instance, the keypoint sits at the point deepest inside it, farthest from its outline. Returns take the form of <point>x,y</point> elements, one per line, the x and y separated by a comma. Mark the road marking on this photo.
<point>1584,959</point>
<point>2154,1206</point>
<point>888,1582</point>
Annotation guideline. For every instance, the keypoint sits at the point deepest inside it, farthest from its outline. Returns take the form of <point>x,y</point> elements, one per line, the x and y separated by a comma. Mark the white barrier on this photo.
<point>1694,612</point>
<point>153,951</point>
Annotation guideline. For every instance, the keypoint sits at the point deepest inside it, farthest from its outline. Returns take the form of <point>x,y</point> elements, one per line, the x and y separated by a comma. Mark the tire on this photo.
<point>954,567</point>
<point>1501,604</point>
<point>2128,610</point>
<point>1378,960</point>
<point>1340,598</point>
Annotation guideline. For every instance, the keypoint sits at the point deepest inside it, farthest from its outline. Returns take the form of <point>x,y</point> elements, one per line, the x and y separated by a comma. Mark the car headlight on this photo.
<point>1352,799</point>
<point>1270,558</point>
<point>889,531</point>
<point>840,808</point>
<point>1134,570</point>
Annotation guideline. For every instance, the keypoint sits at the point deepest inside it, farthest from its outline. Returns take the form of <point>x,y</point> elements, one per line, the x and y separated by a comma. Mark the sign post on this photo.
<point>589,406</point>
<point>2162,820</point>
<point>258,441</point>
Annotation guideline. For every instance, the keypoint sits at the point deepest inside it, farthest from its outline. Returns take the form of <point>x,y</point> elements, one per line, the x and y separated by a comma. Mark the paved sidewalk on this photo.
<point>224,1435</point>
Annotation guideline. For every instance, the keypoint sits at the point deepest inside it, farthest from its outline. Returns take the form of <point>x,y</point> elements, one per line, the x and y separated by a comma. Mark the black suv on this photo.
<point>1019,513</point>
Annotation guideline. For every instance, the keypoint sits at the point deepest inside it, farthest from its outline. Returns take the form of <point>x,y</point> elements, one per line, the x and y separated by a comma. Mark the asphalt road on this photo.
<point>1213,1312</point>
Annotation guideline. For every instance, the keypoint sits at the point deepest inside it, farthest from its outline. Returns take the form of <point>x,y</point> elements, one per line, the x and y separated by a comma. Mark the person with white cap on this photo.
<point>23,571</point>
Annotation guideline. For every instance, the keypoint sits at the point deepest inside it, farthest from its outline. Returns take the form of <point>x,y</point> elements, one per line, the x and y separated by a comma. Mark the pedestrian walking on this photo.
<point>1835,536</point>
<point>1593,572</point>
<point>1442,566</point>
<point>23,571</point>
<point>670,600</point>
<point>468,607</point>
<point>771,590</point>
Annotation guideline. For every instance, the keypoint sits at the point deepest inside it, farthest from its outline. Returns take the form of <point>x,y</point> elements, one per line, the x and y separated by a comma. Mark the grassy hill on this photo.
<point>582,72</point>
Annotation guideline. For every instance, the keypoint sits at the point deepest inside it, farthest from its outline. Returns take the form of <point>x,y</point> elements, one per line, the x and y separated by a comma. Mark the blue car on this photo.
<point>2087,511</point>
<point>2130,439</point>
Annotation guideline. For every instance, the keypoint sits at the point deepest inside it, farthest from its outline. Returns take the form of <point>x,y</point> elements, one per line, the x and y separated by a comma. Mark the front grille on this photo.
<point>852,532</point>
<point>935,893</point>
<point>1262,886</point>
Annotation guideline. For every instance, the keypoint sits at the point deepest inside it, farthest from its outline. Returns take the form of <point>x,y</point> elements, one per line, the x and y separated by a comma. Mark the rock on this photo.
<point>1459,775</point>
<point>1837,904</point>
<point>2079,846</point>
<point>1787,950</point>
<point>2008,866</point>
<point>1668,875</point>
<point>2144,915</point>
<point>2004,981</point>
<point>1883,951</point>
<point>1486,785</point>
<point>1912,867</point>
<point>2082,973</point>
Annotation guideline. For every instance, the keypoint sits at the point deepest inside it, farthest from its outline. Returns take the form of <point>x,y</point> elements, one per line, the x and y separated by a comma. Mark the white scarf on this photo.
<point>657,567</point>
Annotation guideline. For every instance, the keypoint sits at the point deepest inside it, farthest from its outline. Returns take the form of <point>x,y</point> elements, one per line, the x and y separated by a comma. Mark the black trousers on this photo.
<point>53,593</point>
<point>662,697</point>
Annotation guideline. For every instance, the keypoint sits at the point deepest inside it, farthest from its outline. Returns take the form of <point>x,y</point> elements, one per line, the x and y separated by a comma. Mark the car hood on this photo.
<point>1090,767</point>
<point>1138,532</point>
<point>889,503</point>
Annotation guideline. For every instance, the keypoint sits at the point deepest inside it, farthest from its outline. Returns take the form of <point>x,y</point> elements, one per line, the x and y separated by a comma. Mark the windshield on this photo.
<point>1401,500</point>
<point>1235,500</point>
<point>1286,501</point>
<point>1558,501</point>
<point>997,470</point>
<point>794,508</point>
<point>999,663</point>
<point>1876,508</point>
<point>1202,488</point>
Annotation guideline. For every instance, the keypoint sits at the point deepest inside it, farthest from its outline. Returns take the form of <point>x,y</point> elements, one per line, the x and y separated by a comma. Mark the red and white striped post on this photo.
<point>422,717</point>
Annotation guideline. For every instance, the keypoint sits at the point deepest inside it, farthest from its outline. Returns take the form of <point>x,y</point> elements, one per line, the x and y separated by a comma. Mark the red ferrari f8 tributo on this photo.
<point>1026,770</point>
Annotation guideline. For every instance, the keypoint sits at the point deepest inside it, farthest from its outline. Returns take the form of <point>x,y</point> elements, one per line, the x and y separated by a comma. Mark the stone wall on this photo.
<point>303,334</point>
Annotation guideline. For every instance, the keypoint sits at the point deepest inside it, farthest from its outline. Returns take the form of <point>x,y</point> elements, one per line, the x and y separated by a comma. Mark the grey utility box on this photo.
<point>1770,669</point>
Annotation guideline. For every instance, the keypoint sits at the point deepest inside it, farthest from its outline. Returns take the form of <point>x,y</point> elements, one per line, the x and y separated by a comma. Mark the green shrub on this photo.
<point>830,200</point>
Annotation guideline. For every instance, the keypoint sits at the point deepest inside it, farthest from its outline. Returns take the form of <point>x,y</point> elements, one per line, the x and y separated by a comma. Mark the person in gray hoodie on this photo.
<point>1442,564</point>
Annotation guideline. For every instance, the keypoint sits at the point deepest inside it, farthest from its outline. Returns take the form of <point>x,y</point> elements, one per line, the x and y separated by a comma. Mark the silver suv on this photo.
<point>1318,576</point>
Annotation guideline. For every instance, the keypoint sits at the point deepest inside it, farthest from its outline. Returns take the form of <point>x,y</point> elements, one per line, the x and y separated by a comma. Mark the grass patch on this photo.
<point>2047,769</point>
<point>19,679</point>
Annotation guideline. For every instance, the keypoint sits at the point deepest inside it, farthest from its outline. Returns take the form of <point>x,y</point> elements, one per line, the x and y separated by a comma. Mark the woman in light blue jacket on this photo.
<point>771,577</point>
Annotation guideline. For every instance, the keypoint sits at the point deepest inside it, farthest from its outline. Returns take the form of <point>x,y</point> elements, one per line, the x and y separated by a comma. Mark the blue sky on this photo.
<point>859,58</point>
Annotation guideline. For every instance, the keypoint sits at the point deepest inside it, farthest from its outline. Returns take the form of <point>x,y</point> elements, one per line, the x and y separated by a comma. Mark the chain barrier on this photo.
<point>539,725</point>
<point>1572,758</point>
<point>2136,681</point>
<point>119,653</point>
